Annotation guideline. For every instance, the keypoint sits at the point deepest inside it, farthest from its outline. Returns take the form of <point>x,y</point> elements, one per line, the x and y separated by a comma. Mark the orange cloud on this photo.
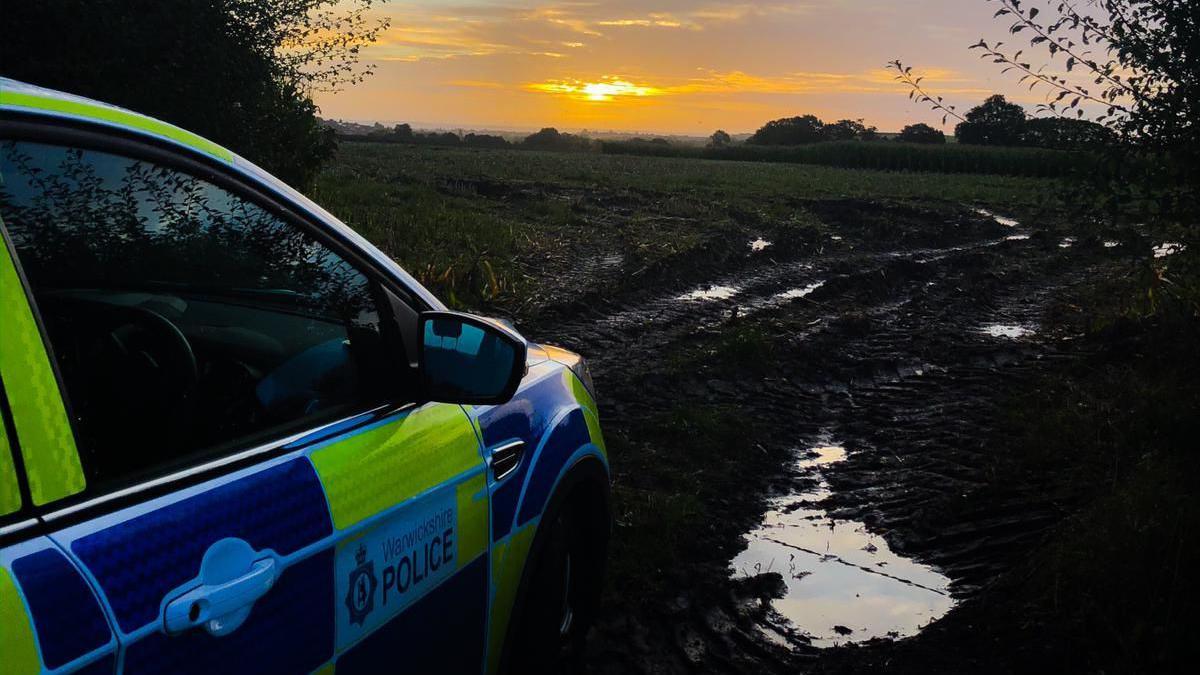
<point>737,82</point>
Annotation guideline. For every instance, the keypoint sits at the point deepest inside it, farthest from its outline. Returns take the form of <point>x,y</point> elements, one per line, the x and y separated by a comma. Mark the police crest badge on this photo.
<point>360,596</point>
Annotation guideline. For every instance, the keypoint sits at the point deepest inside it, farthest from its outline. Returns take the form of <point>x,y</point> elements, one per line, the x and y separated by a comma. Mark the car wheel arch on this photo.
<point>585,483</point>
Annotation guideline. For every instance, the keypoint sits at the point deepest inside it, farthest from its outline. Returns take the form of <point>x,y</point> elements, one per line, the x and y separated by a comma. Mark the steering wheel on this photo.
<point>133,360</point>
<point>150,349</point>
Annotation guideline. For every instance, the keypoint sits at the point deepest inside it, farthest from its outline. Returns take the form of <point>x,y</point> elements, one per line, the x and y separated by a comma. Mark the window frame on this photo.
<point>93,502</point>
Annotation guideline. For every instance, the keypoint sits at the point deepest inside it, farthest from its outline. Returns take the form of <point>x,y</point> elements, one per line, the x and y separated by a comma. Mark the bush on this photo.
<point>484,141</point>
<point>923,134</point>
<point>551,139</point>
<point>993,122</point>
<point>790,131</point>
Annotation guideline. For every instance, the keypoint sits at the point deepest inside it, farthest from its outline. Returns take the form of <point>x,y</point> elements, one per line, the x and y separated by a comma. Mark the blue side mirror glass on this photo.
<point>465,359</point>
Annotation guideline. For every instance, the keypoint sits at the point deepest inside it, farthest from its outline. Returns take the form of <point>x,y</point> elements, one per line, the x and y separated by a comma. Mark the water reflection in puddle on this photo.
<point>844,584</point>
<point>710,293</point>
<point>1011,331</point>
<point>794,293</point>
<point>1007,222</point>
<point>1168,248</point>
<point>759,244</point>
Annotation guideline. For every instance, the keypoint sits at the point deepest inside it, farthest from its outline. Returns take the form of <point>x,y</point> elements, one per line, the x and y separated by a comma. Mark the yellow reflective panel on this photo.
<point>472,519</point>
<point>51,460</point>
<point>381,467</point>
<point>590,412</point>
<point>125,118</point>
<point>10,491</point>
<point>508,562</point>
<point>18,650</point>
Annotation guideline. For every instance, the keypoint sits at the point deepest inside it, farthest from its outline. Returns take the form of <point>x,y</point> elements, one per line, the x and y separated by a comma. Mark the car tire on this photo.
<point>562,593</point>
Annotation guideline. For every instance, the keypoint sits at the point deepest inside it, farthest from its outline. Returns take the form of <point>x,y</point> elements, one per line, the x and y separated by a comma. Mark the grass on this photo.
<point>658,500</point>
<point>470,223</point>
<point>1114,582</point>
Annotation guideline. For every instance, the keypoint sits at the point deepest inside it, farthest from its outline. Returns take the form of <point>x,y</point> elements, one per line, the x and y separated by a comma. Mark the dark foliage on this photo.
<point>849,130</point>
<point>922,133</point>
<point>1129,65</point>
<point>484,141</point>
<point>240,72</point>
<point>719,139</point>
<point>789,131</point>
<point>993,122</point>
<point>1063,133</point>
<point>804,130</point>
<point>551,139</point>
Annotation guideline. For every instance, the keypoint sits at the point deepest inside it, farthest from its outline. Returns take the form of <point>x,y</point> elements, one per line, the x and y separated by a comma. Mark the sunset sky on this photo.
<point>669,66</point>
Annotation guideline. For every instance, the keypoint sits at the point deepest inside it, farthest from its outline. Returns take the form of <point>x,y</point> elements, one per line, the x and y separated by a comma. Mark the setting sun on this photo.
<point>606,89</point>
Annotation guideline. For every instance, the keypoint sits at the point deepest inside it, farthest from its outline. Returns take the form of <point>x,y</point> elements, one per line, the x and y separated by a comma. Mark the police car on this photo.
<point>237,438</point>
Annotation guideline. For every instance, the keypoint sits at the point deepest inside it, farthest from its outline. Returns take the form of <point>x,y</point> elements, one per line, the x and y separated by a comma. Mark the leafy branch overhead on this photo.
<point>1132,59</point>
<point>918,94</point>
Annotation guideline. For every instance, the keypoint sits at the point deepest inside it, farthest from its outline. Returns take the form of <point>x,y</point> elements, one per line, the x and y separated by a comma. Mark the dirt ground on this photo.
<point>899,330</point>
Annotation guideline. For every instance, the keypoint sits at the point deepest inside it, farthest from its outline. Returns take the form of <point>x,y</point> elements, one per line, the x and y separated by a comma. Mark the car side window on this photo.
<point>186,321</point>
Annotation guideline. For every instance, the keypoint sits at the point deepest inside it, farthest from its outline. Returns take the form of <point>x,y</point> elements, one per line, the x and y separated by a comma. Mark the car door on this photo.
<point>262,489</point>
<point>37,581</point>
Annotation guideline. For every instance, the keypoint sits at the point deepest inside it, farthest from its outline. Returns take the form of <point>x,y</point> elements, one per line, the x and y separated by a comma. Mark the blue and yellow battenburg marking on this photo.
<point>380,527</point>
<point>36,582</point>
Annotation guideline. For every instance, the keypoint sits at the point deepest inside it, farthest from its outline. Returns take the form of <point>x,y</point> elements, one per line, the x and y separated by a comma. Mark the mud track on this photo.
<point>878,339</point>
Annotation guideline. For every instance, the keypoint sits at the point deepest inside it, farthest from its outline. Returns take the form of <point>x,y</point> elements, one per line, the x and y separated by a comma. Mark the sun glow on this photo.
<point>606,89</point>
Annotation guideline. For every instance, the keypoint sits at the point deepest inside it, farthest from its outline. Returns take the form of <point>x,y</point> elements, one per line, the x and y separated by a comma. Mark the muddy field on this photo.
<point>804,378</point>
<point>862,374</point>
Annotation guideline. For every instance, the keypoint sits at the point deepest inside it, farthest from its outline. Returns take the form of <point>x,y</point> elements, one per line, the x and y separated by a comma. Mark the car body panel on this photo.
<point>355,504</point>
<point>37,581</point>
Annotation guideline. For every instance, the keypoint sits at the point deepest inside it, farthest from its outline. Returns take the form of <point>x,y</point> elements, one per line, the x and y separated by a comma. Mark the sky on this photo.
<point>670,66</point>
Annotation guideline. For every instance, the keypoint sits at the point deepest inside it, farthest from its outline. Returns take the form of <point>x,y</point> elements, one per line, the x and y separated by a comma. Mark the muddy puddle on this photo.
<point>843,583</point>
<point>1168,248</point>
<point>1003,220</point>
<point>1005,330</point>
<point>710,293</point>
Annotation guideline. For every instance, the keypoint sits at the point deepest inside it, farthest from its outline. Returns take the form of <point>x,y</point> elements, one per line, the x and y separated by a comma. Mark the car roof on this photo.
<point>20,96</point>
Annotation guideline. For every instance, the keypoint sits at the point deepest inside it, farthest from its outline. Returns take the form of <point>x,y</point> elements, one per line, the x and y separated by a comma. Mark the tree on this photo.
<point>845,130</point>
<point>789,131</point>
<point>547,138</point>
<point>922,133</point>
<point>402,133</point>
<point>241,72</point>
<point>484,141</point>
<point>993,122</point>
<point>719,139</point>
<point>1127,64</point>
<point>550,139</point>
<point>1064,133</point>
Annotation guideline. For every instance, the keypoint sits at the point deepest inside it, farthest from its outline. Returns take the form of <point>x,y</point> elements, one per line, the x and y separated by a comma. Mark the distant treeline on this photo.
<point>546,139</point>
<point>997,138</point>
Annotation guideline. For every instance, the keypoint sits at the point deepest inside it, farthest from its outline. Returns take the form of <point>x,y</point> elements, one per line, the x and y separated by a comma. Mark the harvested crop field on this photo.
<point>806,379</point>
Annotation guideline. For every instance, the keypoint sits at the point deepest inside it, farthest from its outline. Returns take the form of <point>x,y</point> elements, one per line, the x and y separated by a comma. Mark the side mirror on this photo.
<point>466,359</point>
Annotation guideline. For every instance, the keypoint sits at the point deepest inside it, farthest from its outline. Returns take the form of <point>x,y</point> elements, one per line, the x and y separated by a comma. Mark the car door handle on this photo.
<point>221,607</point>
<point>506,458</point>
